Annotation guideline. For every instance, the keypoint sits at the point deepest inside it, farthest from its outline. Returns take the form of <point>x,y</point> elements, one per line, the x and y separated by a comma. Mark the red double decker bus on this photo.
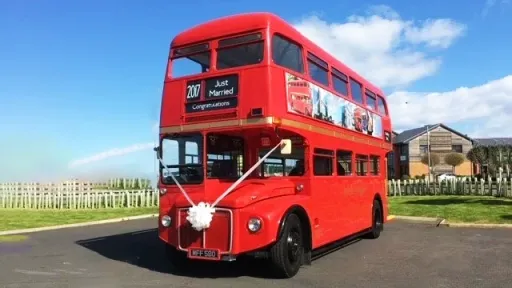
<point>247,170</point>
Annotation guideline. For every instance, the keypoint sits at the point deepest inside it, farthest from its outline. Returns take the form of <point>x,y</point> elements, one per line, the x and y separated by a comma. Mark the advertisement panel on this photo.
<point>308,99</point>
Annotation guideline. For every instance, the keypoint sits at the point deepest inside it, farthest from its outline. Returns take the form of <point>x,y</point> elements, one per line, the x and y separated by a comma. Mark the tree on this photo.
<point>479,155</point>
<point>454,159</point>
<point>434,159</point>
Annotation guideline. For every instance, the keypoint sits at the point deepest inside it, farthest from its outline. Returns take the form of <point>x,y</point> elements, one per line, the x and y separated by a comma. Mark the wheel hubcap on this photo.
<point>293,240</point>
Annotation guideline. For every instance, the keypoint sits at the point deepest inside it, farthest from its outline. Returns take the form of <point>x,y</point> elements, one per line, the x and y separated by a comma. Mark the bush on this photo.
<point>454,159</point>
<point>434,159</point>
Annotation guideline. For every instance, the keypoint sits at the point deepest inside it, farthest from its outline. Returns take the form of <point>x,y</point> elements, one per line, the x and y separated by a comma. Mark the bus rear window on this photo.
<point>191,64</point>
<point>241,55</point>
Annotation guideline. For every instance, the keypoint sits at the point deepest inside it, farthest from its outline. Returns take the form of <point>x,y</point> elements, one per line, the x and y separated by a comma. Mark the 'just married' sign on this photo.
<point>220,87</point>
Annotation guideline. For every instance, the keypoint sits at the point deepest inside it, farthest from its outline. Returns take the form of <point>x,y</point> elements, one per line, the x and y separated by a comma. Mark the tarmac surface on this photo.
<point>129,254</point>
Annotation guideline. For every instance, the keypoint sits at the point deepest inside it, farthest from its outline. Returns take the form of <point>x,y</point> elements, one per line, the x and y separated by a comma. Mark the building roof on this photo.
<point>492,141</point>
<point>411,134</point>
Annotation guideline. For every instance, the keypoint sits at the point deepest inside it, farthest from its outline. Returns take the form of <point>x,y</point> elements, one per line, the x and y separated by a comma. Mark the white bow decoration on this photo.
<point>200,216</point>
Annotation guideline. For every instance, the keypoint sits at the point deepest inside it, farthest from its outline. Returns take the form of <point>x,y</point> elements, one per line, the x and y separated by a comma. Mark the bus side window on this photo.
<point>322,162</point>
<point>287,54</point>
<point>318,69</point>
<point>381,107</point>
<point>344,160</point>
<point>370,100</point>
<point>356,90</point>
<point>374,165</point>
<point>340,82</point>
<point>362,165</point>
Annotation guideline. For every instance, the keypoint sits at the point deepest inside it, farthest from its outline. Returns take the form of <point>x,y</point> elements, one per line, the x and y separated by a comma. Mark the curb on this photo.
<point>444,223</point>
<point>415,219</point>
<point>82,224</point>
<point>477,225</point>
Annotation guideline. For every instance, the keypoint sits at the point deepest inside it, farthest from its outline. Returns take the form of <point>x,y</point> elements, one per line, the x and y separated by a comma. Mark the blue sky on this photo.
<point>80,78</point>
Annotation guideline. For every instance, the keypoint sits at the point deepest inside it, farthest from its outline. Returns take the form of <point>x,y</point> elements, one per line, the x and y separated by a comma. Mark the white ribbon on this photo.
<point>200,216</point>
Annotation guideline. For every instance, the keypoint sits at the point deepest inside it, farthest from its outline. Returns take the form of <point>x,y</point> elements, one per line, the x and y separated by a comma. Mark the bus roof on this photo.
<point>238,23</point>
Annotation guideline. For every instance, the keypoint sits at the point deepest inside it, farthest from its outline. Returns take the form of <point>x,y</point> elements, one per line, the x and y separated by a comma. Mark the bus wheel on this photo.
<point>178,259</point>
<point>377,221</point>
<point>288,252</point>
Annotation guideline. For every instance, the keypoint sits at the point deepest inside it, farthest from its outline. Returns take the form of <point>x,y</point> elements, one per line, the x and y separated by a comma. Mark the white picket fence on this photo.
<point>96,199</point>
<point>458,186</point>
<point>111,199</point>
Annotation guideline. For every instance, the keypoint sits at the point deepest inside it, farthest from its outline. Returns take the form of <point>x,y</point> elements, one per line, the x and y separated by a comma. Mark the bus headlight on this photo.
<point>254,224</point>
<point>166,221</point>
<point>163,191</point>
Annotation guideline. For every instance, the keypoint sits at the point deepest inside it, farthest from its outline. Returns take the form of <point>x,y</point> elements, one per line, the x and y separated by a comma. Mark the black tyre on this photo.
<point>377,221</point>
<point>287,253</point>
<point>178,259</point>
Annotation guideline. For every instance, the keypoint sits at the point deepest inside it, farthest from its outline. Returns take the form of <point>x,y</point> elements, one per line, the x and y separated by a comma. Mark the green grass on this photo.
<point>24,218</point>
<point>467,209</point>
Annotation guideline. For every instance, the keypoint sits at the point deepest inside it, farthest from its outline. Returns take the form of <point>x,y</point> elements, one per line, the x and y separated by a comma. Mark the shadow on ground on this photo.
<point>145,250</point>
<point>461,200</point>
<point>506,217</point>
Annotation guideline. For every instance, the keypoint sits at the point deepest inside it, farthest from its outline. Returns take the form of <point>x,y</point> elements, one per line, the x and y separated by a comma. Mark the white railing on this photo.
<point>101,199</point>
<point>95,199</point>
<point>458,186</point>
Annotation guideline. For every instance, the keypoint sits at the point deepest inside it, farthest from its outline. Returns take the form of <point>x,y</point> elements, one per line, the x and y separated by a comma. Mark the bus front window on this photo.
<point>190,65</point>
<point>240,51</point>
<point>225,156</point>
<point>182,156</point>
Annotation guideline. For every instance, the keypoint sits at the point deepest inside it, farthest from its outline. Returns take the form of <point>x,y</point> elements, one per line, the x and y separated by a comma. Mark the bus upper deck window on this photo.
<point>190,61</point>
<point>240,51</point>
<point>190,65</point>
<point>287,54</point>
<point>381,107</point>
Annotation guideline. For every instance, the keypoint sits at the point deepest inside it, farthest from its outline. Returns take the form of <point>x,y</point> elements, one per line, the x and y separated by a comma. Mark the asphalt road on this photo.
<point>129,255</point>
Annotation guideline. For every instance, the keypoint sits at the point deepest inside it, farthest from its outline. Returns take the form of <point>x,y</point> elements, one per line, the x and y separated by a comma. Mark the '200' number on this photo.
<point>193,91</point>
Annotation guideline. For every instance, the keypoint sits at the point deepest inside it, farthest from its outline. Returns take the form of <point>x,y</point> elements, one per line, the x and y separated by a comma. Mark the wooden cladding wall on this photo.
<point>442,141</point>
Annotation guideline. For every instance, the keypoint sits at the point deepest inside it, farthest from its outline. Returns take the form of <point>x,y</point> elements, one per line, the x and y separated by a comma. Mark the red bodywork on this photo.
<point>335,206</point>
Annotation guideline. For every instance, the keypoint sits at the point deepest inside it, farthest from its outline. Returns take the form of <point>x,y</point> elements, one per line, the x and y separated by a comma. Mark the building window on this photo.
<point>423,149</point>
<point>457,148</point>
<point>287,54</point>
<point>322,162</point>
<point>404,149</point>
<point>374,165</point>
<point>362,165</point>
<point>344,160</point>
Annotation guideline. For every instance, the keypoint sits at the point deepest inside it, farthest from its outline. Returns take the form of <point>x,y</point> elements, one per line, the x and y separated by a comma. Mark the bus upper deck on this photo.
<point>250,67</point>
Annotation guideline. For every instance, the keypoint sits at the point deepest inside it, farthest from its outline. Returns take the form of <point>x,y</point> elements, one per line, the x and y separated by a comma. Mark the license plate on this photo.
<point>207,254</point>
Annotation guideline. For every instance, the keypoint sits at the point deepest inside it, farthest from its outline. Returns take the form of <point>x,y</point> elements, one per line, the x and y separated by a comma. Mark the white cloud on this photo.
<point>384,48</point>
<point>112,153</point>
<point>487,107</point>
<point>489,4</point>
<point>435,33</point>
